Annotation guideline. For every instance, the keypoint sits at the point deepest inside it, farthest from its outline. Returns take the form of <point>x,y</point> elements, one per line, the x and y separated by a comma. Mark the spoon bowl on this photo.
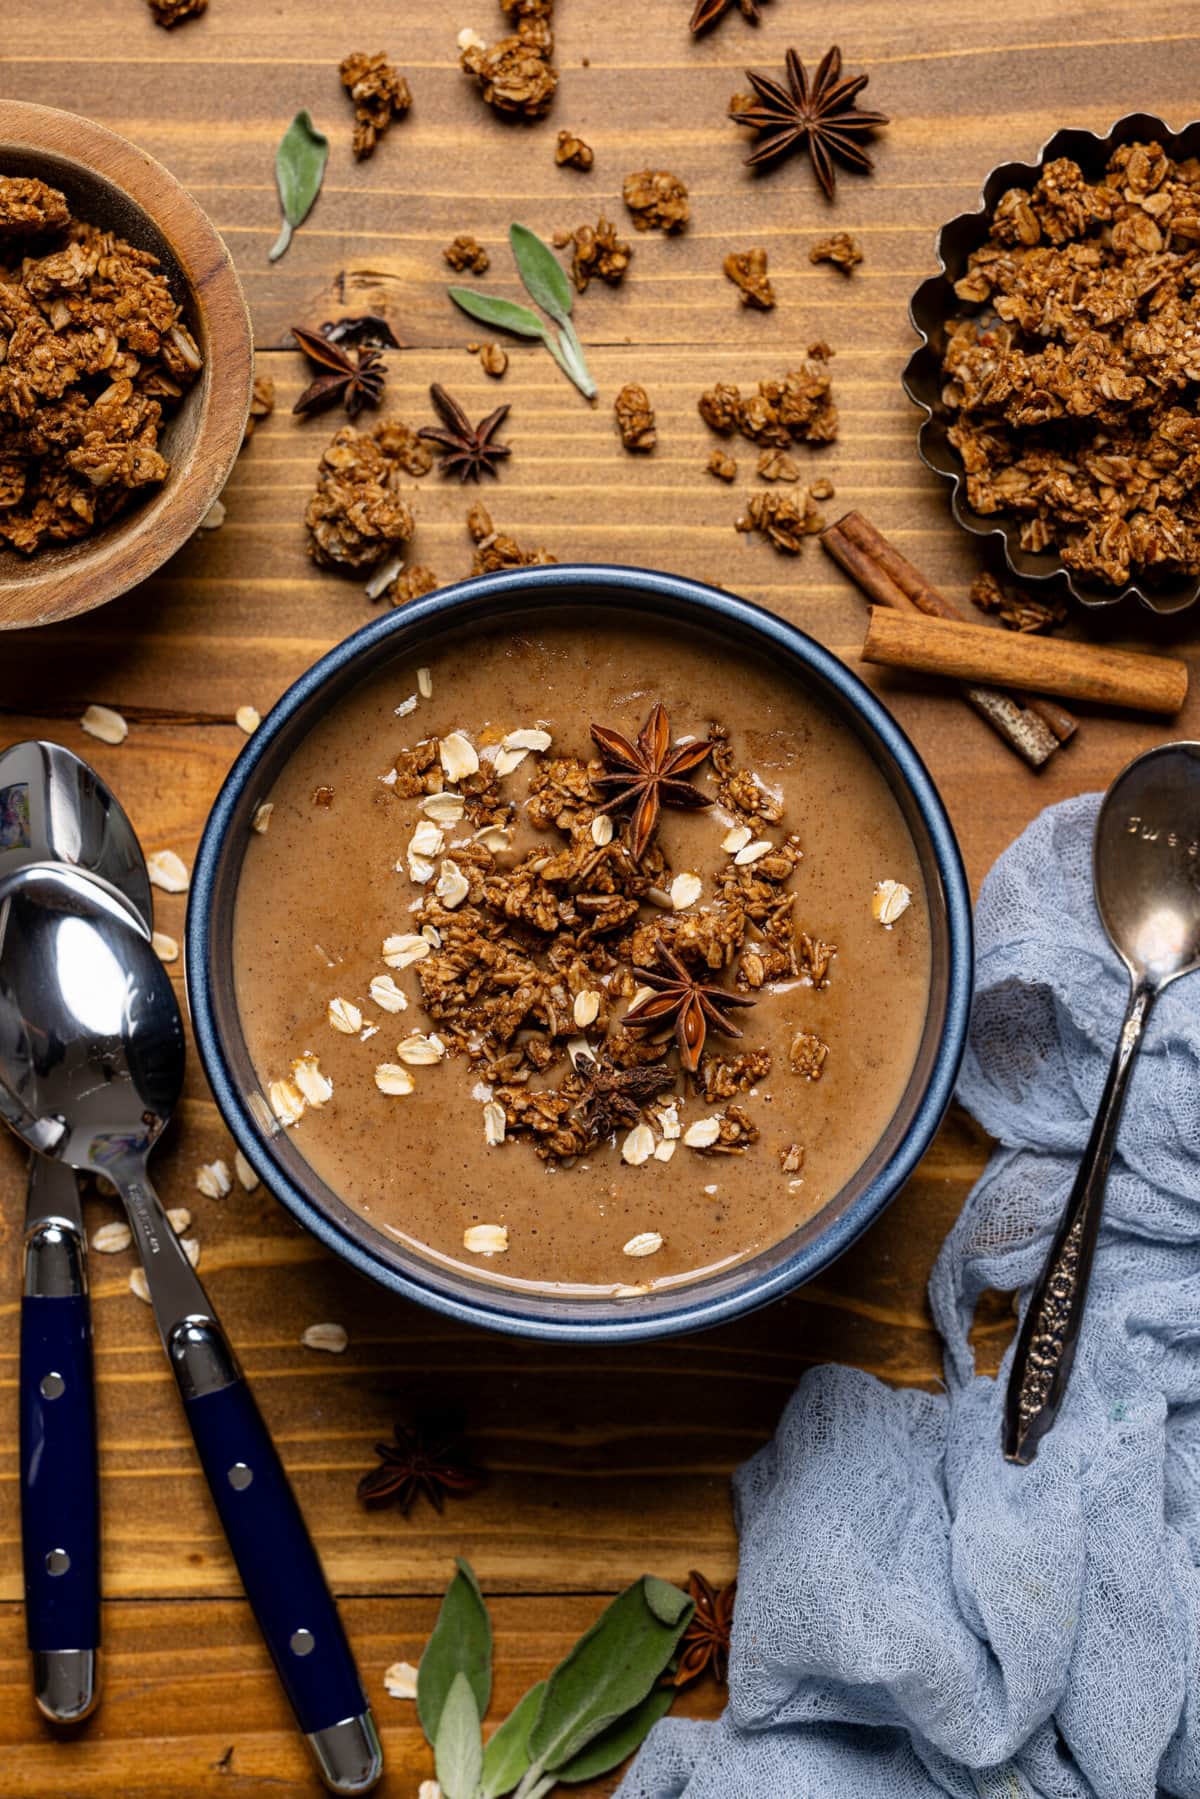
<point>54,808</point>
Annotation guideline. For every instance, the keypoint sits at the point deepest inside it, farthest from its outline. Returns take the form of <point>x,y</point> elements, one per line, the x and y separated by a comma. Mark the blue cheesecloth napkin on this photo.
<point>916,1617</point>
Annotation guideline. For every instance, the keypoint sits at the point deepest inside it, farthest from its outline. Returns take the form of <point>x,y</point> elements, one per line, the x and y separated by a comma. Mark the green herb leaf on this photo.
<point>507,1754</point>
<point>611,1669</point>
<point>299,170</point>
<point>541,271</point>
<point>491,309</point>
<point>458,1750</point>
<point>460,1644</point>
<point>610,1748</point>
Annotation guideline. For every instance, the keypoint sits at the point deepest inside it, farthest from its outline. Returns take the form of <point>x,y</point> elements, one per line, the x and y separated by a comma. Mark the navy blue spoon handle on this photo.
<point>60,1500</point>
<point>262,1521</point>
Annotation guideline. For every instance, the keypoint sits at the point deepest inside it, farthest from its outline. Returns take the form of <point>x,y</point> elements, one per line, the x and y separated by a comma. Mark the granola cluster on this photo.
<point>379,94</point>
<point>515,75</point>
<point>1073,388</point>
<point>797,409</point>
<point>530,955</point>
<point>495,550</point>
<point>357,515</point>
<point>747,269</point>
<point>169,13</point>
<point>596,250</point>
<point>466,252</point>
<point>841,249</point>
<point>784,519</point>
<point>94,352</point>
<point>635,418</point>
<point>657,201</point>
<point>571,152</point>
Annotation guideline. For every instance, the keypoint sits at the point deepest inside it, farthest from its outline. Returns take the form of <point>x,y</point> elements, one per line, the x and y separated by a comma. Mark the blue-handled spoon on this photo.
<point>54,808</point>
<point>91,1066</point>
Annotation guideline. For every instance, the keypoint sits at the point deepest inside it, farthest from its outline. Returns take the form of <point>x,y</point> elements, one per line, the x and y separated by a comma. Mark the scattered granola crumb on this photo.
<point>467,253</point>
<point>777,465</point>
<point>168,871</point>
<point>798,408</point>
<point>169,13</point>
<point>331,1339</point>
<point>515,75</point>
<point>262,405</point>
<point>841,249</point>
<point>722,465</point>
<point>822,489</point>
<point>493,360</point>
<point>635,418</point>
<point>379,94</point>
<point>410,583</point>
<point>486,1239</point>
<point>356,516</point>
<point>106,724</point>
<point>596,251</point>
<point>783,519</point>
<point>747,269</point>
<point>494,550</point>
<point>657,201</point>
<point>1018,611</point>
<point>791,1159</point>
<point>890,901</point>
<point>807,1055</point>
<point>572,153</point>
<point>400,1680</point>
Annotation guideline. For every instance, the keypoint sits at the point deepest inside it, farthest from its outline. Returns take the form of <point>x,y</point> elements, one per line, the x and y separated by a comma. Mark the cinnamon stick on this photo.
<point>1024,730</point>
<point>905,587</point>
<point>1081,671</point>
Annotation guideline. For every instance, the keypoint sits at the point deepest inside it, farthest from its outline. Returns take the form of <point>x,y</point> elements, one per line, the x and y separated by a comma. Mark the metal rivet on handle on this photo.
<point>52,1386</point>
<point>57,1562</point>
<point>240,1476</point>
<point>302,1642</point>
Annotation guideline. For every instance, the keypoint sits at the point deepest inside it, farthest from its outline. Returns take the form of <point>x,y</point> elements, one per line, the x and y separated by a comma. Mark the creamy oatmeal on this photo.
<point>587,960</point>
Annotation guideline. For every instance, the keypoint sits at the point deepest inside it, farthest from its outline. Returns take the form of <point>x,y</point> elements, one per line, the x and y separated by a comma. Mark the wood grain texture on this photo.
<point>602,1464</point>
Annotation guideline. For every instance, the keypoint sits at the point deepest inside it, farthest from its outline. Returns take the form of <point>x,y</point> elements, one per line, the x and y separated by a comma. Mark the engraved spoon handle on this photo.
<point>1041,1367</point>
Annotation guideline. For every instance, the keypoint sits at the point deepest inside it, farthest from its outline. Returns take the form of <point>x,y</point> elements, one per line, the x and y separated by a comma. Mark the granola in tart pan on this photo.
<point>1059,365</point>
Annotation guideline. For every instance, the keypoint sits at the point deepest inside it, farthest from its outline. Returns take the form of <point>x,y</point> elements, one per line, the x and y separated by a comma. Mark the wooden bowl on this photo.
<point>111,183</point>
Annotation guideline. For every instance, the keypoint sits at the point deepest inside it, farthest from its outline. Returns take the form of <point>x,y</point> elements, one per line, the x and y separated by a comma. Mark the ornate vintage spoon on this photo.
<point>54,808</point>
<point>91,1064</point>
<point>1146,872</point>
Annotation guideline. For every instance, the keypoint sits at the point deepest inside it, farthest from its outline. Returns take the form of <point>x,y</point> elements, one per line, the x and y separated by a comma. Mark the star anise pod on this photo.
<point>357,379</point>
<point>707,12</point>
<point>467,449</point>
<point>705,1642</point>
<point>613,1096</point>
<point>427,1458</point>
<point>646,774</point>
<point>820,113</point>
<point>679,999</point>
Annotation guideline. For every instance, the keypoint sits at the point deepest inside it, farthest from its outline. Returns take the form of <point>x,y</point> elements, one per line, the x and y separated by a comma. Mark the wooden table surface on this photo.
<point>602,1463</point>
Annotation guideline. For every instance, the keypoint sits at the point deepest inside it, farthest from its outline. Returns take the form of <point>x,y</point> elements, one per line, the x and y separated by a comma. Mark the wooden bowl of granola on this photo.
<point>128,371</point>
<point>1063,422</point>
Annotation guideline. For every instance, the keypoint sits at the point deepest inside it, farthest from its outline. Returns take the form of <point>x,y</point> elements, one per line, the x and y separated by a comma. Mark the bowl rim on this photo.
<point>486,1307</point>
<point>932,304</point>
<point>134,546</point>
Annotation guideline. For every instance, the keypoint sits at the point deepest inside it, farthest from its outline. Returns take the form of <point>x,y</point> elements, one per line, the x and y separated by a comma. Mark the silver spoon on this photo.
<point>1146,873</point>
<point>91,1065</point>
<point>54,808</point>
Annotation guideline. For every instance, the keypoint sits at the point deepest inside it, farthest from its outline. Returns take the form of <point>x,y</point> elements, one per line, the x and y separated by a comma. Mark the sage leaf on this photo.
<point>458,1750</point>
<point>460,1644</point>
<point>609,1749</point>
<point>541,271</point>
<point>506,1757</point>
<point>299,170</point>
<point>611,1669</point>
<point>491,309</point>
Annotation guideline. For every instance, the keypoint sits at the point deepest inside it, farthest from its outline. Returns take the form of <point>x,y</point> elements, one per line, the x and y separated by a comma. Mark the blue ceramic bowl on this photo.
<point>588,590</point>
